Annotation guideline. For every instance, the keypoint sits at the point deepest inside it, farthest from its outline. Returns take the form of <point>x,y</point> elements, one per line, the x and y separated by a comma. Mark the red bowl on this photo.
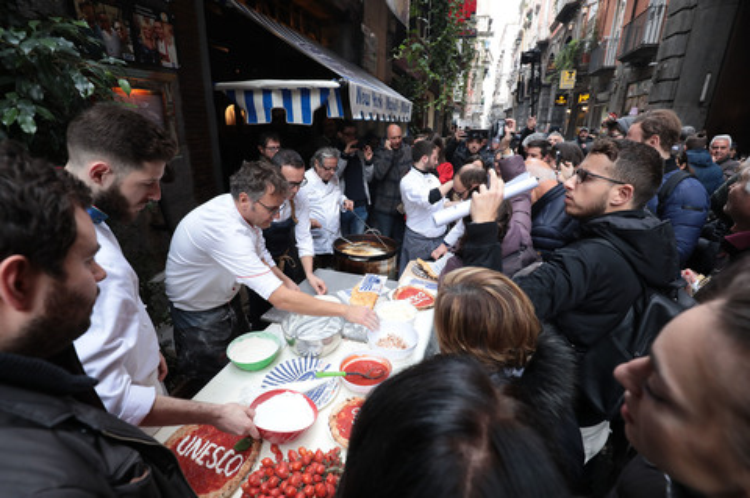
<point>361,362</point>
<point>276,436</point>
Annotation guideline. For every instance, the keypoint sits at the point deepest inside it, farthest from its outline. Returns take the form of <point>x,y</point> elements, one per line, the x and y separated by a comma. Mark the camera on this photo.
<point>500,129</point>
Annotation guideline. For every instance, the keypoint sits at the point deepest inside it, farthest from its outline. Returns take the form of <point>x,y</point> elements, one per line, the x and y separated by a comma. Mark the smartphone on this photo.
<point>558,159</point>
<point>501,129</point>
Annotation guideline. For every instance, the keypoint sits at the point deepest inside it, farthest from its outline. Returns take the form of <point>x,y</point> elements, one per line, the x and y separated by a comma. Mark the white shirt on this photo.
<point>302,228</point>
<point>415,191</point>
<point>455,233</point>
<point>326,201</point>
<point>120,348</point>
<point>213,251</point>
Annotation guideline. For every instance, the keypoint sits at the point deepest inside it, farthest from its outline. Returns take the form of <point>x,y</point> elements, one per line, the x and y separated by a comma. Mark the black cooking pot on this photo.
<point>351,260</point>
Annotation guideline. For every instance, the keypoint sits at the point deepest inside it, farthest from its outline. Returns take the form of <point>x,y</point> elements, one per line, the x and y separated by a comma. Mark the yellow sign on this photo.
<point>561,99</point>
<point>567,80</point>
<point>583,98</point>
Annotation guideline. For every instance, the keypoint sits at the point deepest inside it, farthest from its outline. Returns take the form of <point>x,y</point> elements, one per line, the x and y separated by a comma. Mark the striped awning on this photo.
<point>299,98</point>
<point>368,97</point>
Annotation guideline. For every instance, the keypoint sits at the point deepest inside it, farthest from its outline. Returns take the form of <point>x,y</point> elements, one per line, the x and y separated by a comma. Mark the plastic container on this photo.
<point>281,437</point>
<point>248,359</point>
<point>395,333</point>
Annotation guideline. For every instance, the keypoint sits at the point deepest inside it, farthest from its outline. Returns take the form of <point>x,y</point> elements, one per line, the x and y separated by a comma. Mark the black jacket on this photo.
<point>55,446</point>
<point>551,227</point>
<point>586,288</point>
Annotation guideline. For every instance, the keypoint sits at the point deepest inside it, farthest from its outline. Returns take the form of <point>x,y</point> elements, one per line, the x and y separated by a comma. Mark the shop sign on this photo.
<point>561,99</point>
<point>567,80</point>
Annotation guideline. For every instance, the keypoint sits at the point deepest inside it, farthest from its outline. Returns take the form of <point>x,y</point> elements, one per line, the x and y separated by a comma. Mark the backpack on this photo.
<point>667,188</point>
<point>631,338</point>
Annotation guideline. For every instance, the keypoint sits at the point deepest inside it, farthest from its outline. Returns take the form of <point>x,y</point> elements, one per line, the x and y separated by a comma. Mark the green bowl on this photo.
<point>246,360</point>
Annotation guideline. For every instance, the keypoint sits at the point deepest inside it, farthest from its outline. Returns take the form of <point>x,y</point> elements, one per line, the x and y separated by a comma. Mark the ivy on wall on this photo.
<point>436,54</point>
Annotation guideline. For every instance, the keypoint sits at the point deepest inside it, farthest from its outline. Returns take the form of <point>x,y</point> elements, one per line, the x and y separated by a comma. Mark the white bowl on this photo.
<point>396,312</point>
<point>404,332</point>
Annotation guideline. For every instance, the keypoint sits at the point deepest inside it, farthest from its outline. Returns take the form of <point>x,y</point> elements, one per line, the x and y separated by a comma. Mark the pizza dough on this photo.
<point>209,461</point>
<point>367,291</point>
<point>342,418</point>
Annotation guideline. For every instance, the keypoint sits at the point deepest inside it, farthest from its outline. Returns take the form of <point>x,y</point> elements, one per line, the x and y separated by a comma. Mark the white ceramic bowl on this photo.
<point>397,313</point>
<point>403,332</point>
<point>355,383</point>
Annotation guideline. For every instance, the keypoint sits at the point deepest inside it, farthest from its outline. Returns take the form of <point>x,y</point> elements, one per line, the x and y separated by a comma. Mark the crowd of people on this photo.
<point>531,286</point>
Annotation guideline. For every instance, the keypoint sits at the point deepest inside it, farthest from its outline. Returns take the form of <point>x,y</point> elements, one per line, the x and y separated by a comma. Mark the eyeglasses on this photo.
<point>332,168</point>
<point>298,184</point>
<point>271,211</point>
<point>583,175</point>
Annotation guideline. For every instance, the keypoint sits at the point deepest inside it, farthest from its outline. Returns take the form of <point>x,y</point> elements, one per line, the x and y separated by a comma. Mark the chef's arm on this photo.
<point>229,417</point>
<point>315,282</point>
<point>287,282</point>
<point>299,302</point>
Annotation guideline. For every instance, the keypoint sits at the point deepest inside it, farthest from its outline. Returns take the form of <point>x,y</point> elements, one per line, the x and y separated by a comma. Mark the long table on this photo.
<point>232,384</point>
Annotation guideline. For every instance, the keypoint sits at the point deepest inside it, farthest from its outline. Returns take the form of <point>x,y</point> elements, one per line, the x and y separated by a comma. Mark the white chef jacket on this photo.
<point>120,348</point>
<point>214,251</point>
<point>415,191</point>
<point>326,201</point>
<point>302,228</point>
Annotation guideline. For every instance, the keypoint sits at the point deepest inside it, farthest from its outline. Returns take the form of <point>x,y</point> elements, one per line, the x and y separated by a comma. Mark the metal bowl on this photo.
<point>314,336</point>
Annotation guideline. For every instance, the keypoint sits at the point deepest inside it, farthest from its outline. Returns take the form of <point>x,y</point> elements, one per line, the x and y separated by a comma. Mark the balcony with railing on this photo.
<point>564,10</point>
<point>641,37</point>
<point>603,55</point>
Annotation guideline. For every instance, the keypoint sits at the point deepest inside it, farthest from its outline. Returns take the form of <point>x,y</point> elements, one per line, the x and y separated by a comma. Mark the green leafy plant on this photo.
<point>51,70</point>
<point>568,57</point>
<point>438,58</point>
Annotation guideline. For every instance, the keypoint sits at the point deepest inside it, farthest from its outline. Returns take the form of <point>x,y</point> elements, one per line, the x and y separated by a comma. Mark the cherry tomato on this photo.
<point>296,466</point>
<point>269,471</point>
<point>307,478</point>
<point>331,479</point>
<point>275,449</point>
<point>299,494</point>
<point>275,492</point>
<point>264,487</point>
<point>309,490</point>
<point>254,480</point>
<point>253,492</point>
<point>282,470</point>
<point>330,489</point>
<point>293,456</point>
<point>317,478</point>
<point>273,482</point>
<point>266,462</point>
<point>320,469</point>
<point>318,456</point>
<point>306,459</point>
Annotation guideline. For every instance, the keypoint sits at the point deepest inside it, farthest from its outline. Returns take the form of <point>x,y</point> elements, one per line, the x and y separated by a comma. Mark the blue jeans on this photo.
<point>391,225</point>
<point>350,225</point>
<point>201,337</point>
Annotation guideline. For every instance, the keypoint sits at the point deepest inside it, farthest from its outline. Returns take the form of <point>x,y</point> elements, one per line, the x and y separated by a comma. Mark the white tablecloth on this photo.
<point>235,385</point>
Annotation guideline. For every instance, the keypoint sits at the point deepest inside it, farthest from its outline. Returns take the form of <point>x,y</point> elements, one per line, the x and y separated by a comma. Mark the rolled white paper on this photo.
<point>519,185</point>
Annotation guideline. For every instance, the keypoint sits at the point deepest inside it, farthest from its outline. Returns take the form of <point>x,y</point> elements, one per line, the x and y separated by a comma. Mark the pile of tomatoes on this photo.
<point>305,473</point>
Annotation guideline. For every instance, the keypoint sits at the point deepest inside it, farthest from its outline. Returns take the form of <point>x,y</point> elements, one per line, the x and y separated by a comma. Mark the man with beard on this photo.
<point>586,288</point>
<point>423,196</point>
<point>121,156</point>
<point>51,443</point>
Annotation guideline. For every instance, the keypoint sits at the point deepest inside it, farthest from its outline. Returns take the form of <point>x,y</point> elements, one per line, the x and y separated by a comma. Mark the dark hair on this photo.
<point>288,157</point>
<point>37,209</point>
<point>634,163</point>
<point>440,144</point>
<point>265,137</point>
<point>254,177</point>
<point>661,122</point>
<point>542,144</point>
<point>441,429</point>
<point>125,138</point>
<point>569,152</point>
<point>346,123</point>
<point>420,149</point>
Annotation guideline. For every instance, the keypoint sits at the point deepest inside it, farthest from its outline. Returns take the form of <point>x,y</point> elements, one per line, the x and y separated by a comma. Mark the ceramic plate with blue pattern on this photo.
<point>299,369</point>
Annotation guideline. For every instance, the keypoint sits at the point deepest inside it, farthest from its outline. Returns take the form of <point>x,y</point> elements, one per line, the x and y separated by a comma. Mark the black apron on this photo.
<point>281,242</point>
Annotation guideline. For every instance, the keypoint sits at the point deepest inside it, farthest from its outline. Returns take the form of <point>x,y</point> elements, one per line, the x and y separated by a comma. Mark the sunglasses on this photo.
<point>584,174</point>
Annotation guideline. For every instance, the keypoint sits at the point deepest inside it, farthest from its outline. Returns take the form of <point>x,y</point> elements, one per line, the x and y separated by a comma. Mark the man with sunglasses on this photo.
<point>218,247</point>
<point>586,288</point>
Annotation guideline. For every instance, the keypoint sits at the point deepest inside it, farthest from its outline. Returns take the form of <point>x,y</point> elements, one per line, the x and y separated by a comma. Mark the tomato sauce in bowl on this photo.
<point>369,364</point>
